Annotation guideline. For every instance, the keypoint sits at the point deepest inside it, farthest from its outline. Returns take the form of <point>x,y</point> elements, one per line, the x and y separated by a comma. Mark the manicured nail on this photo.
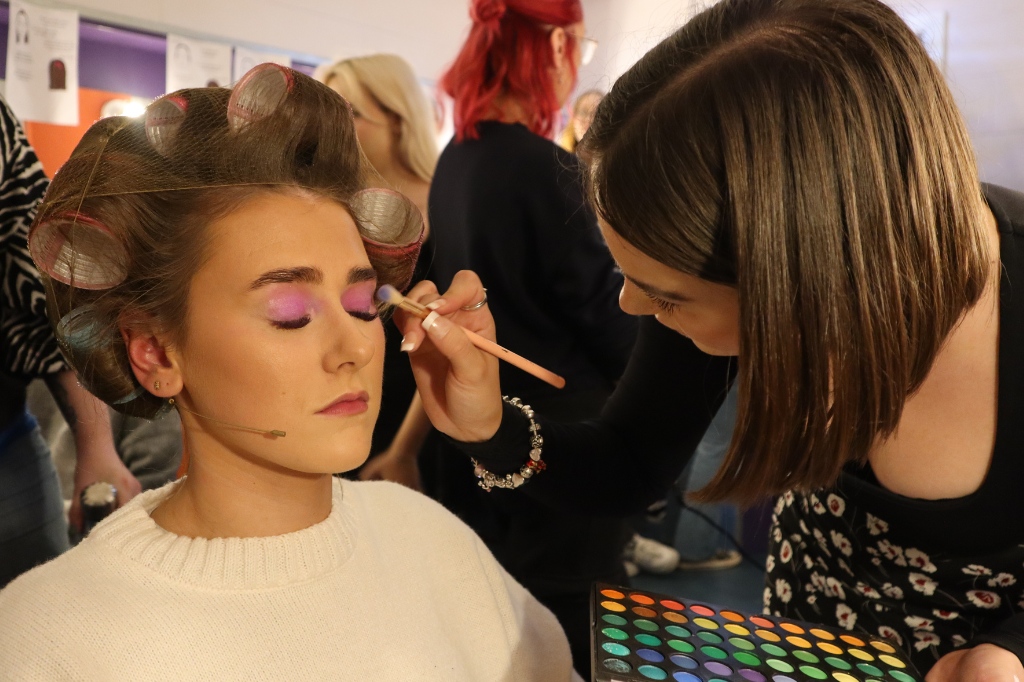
<point>436,326</point>
<point>429,320</point>
<point>406,345</point>
<point>434,305</point>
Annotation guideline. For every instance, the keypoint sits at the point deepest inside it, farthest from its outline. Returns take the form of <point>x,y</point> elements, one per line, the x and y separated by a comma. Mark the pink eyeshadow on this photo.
<point>287,306</point>
<point>359,298</point>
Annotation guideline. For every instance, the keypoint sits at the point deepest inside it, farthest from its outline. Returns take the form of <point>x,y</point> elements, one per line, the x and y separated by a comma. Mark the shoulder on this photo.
<point>46,599</point>
<point>398,508</point>
<point>1008,207</point>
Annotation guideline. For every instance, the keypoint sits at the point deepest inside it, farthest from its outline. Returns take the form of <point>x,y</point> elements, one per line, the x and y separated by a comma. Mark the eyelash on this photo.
<point>661,303</point>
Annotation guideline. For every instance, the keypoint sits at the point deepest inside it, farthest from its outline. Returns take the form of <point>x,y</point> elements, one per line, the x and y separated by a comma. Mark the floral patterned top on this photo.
<point>930,576</point>
<point>833,562</point>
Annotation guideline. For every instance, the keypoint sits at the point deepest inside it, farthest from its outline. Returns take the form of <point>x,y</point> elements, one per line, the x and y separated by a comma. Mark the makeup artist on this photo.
<point>793,199</point>
<point>507,202</point>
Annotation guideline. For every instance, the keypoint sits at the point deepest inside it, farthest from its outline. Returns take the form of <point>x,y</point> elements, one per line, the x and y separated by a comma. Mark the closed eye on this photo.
<point>292,324</point>
<point>664,305</point>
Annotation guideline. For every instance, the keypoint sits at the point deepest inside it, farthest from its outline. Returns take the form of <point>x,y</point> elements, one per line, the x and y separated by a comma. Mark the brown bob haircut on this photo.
<point>809,153</point>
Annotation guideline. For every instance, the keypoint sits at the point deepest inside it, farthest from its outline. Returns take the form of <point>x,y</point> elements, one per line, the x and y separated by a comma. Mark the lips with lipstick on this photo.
<point>348,404</point>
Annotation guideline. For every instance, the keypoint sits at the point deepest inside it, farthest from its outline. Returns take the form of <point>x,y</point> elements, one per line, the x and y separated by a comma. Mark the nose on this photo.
<point>635,302</point>
<point>350,343</point>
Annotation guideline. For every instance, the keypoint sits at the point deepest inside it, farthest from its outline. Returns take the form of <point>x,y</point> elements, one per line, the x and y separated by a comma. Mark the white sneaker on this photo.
<point>723,558</point>
<point>650,555</point>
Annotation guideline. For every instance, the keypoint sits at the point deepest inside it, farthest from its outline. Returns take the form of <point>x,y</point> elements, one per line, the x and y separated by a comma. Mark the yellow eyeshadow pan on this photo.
<point>883,646</point>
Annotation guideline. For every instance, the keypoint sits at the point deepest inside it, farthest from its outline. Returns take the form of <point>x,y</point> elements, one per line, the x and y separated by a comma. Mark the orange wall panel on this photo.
<point>54,143</point>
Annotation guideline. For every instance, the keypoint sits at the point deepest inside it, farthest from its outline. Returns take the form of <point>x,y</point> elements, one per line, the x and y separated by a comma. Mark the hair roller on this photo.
<point>78,251</point>
<point>163,119</point>
<point>95,350</point>
<point>392,229</point>
<point>259,93</point>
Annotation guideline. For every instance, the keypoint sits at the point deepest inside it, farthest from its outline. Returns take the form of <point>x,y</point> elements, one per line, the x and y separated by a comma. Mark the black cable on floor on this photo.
<point>759,565</point>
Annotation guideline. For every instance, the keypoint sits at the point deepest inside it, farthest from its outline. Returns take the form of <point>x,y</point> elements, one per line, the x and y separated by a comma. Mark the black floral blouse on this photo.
<point>831,562</point>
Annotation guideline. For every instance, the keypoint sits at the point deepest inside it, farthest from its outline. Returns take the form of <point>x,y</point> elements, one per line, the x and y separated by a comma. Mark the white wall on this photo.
<point>984,59</point>
<point>985,70</point>
<point>426,32</point>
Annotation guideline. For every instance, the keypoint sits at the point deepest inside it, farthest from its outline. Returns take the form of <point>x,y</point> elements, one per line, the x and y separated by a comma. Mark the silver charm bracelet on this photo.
<point>534,464</point>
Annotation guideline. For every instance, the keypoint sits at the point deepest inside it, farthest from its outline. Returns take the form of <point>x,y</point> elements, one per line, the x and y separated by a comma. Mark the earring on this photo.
<point>156,385</point>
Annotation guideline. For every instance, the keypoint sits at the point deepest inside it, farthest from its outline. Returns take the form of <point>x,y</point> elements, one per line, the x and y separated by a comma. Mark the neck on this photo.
<point>508,109</point>
<point>234,494</point>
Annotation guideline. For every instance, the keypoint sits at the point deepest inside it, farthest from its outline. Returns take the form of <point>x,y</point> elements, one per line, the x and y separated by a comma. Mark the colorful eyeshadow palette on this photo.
<point>637,635</point>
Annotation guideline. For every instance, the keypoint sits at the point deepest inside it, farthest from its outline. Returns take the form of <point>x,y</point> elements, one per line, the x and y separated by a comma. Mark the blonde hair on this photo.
<point>567,138</point>
<point>391,82</point>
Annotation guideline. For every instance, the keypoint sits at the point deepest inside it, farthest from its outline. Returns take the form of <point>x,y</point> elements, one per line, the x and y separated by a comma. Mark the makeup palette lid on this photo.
<point>637,635</point>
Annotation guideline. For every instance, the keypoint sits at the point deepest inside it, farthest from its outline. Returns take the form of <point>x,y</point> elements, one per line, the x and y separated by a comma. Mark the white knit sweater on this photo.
<point>389,587</point>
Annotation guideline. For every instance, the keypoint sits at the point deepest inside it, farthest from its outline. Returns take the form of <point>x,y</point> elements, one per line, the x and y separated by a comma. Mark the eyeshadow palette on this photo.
<point>638,635</point>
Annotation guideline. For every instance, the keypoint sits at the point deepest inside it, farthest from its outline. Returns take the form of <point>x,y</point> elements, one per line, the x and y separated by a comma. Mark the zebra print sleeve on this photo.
<point>28,348</point>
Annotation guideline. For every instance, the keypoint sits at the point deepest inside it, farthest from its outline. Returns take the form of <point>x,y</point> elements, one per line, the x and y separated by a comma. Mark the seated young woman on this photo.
<point>221,257</point>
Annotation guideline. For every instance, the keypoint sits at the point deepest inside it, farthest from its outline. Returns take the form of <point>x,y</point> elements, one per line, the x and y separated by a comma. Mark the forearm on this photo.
<point>631,455</point>
<point>86,415</point>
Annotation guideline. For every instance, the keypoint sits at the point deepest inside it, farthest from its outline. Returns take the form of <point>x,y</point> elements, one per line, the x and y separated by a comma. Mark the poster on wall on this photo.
<point>196,63</point>
<point>42,64</point>
<point>245,59</point>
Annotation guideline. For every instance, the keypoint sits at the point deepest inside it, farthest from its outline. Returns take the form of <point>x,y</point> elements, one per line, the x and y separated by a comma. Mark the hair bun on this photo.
<point>488,12</point>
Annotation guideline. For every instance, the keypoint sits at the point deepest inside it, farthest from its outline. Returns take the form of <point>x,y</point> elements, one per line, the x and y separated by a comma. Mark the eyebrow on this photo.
<point>656,292</point>
<point>308,275</point>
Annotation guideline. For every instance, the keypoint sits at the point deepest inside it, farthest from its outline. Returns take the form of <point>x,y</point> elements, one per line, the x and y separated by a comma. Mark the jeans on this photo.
<point>33,529</point>
<point>695,538</point>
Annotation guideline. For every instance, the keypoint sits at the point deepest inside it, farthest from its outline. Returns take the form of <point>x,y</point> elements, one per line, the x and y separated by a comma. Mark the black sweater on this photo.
<point>509,206</point>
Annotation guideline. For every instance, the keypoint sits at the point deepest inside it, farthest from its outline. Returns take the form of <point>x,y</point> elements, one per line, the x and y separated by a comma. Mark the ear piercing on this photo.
<point>156,385</point>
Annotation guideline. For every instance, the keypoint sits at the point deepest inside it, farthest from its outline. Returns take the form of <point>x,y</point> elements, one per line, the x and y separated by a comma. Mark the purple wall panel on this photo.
<point>116,59</point>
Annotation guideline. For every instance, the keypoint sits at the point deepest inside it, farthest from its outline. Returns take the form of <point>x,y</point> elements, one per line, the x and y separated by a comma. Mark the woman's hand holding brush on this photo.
<point>457,381</point>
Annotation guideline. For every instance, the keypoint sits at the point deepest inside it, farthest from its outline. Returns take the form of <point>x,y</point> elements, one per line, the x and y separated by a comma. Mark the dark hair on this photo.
<point>809,153</point>
<point>508,52</point>
<point>122,229</point>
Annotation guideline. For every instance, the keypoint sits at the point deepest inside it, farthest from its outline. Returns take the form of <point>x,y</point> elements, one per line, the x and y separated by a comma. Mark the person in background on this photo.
<point>641,553</point>
<point>397,131</point>
<point>507,202</point>
<point>579,120</point>
<point>794,201</point>
<point>149,448</point>
<point>33,528</point>
<point>214,258</point>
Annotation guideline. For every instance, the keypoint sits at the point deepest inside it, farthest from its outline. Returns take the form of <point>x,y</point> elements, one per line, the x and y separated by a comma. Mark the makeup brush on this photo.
<point>392,296</point>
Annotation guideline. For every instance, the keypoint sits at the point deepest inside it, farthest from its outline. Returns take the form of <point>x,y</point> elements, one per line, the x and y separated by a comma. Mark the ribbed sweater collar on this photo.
<point>230,563</point>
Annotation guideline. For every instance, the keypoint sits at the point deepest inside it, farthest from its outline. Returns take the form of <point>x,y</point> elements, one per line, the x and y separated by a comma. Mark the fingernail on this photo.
<point>436,325</point>
<point>434,305</point>
<point>429,321</point>
<point>406,345</point>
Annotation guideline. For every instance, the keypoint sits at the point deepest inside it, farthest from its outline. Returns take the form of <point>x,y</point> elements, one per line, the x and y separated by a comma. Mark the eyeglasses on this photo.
<point>588,46</point>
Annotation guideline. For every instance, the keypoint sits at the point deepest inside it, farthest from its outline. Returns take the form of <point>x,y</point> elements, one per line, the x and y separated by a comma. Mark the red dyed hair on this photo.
<point>508,51</point>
